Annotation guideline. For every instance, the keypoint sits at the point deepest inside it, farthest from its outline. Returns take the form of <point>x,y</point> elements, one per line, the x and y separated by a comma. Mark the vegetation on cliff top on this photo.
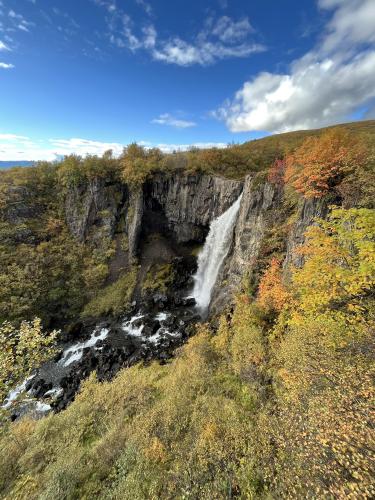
<point>237,160</point>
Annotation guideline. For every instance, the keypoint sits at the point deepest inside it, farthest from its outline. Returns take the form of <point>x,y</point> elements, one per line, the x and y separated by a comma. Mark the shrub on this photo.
<point>22,350</point>
<point>137,163</point>
<point>321,163</point>
<point>158,278</point>
<point>113,299</point>
<point>272,293</point>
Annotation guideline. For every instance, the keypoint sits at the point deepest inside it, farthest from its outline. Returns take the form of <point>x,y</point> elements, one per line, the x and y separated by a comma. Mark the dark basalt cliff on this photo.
<point>266,222</point>
<point>181,207</point>
<point>185,204</point>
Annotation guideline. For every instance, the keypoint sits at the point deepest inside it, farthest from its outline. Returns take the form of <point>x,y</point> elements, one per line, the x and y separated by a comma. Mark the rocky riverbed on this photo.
<point>151,331</point>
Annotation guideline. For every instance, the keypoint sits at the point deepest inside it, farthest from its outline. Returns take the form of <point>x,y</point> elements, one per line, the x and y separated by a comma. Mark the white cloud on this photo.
<point>83,147</point>
<point>170,148</point>
<point>3,46</point>
<point>14,15</point>
<point>20,148</point>
<point>131,41</point>
<point>18,21</point>
<point>6,65</point>
<point>352,23</point>
<point>230,31</point>
<point>22,27</point>
<point>145,6</point>
<point>107,4</point>
<point>220,38</point>
<point>167,119</point>
<point>177,51</point>
<point>149,37</point>
<point>14,137</point>
<point>324,87</point>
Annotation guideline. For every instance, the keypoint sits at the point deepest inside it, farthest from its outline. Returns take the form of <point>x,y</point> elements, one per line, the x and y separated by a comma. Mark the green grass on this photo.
<point>158,278</point>
<point>113,299</point>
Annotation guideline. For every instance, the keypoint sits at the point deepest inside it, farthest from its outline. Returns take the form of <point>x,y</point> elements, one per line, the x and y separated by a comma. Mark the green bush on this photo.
<point>158,278</point>
<point>113,299</point>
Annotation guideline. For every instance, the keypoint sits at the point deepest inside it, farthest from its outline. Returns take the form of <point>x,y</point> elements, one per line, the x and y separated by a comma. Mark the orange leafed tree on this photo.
<point>321,163</point>
<point>272,293</point>
<point>276,172</point>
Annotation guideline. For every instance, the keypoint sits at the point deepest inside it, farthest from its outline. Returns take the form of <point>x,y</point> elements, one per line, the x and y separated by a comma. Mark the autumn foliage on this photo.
<point>276,173</point>
<point>272,293</point>
<point>321,163</point>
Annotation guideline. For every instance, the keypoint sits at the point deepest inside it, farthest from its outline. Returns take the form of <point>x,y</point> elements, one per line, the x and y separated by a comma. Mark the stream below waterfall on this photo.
<point>149,332</point>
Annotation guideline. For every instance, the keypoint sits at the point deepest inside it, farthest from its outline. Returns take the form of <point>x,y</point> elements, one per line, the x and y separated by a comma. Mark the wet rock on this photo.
<point>33,409</point>
<point>160,300</point>
<point>188,301</point>
<point>170,322</point>
<point>133,306</point>
<point>39,387</point>
<point>184,268</point>
<point>177,300</point>
<point>72,333</point>
<point>151,326</point>
<point>138,323</point>
<point>58,356</point>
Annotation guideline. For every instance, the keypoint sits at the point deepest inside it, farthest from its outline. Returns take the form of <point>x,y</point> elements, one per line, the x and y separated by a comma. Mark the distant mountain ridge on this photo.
<point>10,164</point>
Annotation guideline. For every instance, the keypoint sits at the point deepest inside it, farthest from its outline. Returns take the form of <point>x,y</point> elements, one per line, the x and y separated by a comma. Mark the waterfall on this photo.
<point>213,254</point>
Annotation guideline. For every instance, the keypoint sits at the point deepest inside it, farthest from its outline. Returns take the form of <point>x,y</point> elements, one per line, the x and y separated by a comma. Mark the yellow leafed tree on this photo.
<point>22,350</point>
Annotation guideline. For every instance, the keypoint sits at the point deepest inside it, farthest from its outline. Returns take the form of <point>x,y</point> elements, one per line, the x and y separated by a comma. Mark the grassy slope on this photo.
<point>366,129</point>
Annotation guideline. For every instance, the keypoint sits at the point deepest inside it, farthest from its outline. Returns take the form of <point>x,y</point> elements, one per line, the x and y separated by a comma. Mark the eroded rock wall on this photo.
<point>191,202</point>
<point>264,212</point>
<point>186,205</point>
<point>93,209</point>
<point>256,215</point>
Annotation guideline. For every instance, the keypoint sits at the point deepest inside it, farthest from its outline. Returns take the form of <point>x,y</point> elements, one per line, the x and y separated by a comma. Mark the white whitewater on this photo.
<point>213,254</point>
<point>75,352</point>
<point>13,395</point>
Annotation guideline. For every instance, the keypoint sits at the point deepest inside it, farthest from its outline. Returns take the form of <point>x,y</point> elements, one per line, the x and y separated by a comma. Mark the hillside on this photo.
<point>206,322</point>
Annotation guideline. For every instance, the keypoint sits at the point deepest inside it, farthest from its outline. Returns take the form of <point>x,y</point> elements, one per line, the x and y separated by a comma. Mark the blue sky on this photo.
<point>84,75</point>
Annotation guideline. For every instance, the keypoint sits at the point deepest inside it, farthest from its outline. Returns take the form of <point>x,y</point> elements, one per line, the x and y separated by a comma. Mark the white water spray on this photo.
<point>213,254</point>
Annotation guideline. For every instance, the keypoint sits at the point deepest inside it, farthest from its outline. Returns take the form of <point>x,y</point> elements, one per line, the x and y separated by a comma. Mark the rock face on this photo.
<point>181,207</point>
<point>308,210</point>
<point>94,208</point>
<point>186,204</point>
<point>191,202</point>
<point>21,210</point>
<point>134,220</point>
<point>263,211</point>
<point>254,218</point>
